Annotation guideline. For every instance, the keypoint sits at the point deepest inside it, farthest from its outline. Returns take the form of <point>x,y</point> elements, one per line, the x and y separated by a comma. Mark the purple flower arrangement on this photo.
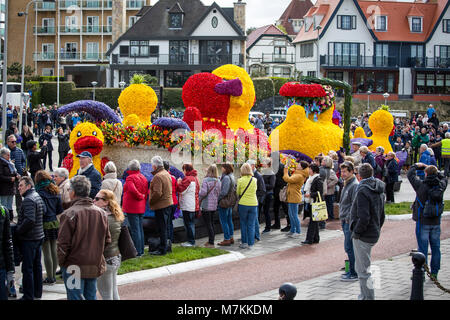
<point>297,155</point>
<point>98,110</point>
<point>171,123</point>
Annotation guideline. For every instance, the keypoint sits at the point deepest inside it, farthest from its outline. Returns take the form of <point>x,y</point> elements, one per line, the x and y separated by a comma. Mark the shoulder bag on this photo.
<point>283,194</point>
<point>319,210</point>
<point>240,197</point>
<point>230,200</point>
<point>126,245</point>
<point>199,213</point>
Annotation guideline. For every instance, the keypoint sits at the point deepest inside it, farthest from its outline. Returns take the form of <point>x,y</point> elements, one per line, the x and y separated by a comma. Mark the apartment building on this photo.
<point>75,33</point>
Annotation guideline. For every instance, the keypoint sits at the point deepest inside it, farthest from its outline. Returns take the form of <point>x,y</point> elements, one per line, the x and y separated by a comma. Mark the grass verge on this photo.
<point>404,208</point>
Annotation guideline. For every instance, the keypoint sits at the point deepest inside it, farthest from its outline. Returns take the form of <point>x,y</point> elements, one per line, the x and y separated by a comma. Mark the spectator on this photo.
<point>63,145</point>
<point>227,186</point>
<point>246,189</point>
<point>6,254</point>
<point>268,121</point>
<point>269,182</point>
<point>260,194</point>
<point>445,152</point>
<point>49,193</point>
<point>47,136</point>
<point>380,162</point>
<point>209,195</point>
<point>161,201</point>
<point>279,185</point>
<point>188,189</point>
<point>34,157</point>
<point>287,291</point>
<point>313,187</point>
<point>61,177</point>
<point>398,145</point>
<point>88,170</point>
<point>434,121</point>
<point>82,239</point>
<point>330,182</point>
<point>345,206</point>
<point>392,176</point>
<point>357,153</point>
<point>174,206</point>
<point>433,161</point>
<point>430,111</point>
<point>110,181</point>
<point>30,233</point>
<point>367,157</point>
<point>428,229</point>
<point>437,150</point>
<point>425,158</point>
<point>107,282</point>
<point>75,120</point>
<point>18,159</point>
<point>367,218</point>
<point>26,135</point>
<point>259,124</point>
<point>8,177</point>
<point>409,152</point>
<point>135,194</point>
<point>294,195</point>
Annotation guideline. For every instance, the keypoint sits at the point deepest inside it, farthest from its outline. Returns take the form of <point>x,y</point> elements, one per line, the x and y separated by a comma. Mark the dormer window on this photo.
<point>416,24</point>
<point>176,20</point>
<point>381,23</point>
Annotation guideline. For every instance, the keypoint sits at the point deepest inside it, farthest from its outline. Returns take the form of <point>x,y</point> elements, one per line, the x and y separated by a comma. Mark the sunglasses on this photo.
<point>13,141</point>
<point>98,198</point>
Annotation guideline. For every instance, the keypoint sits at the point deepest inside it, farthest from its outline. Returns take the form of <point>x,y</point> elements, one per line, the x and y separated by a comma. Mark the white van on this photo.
<point>13,95</point>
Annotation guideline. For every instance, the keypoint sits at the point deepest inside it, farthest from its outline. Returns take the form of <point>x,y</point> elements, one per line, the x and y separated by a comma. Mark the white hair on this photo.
<point>110,167</point>
<point>4,151</point>
<point>62,172</point>
<point>423,146</point>
<point>430,151</point>
<point>157,161</point>
<point>134,165</point>
<point>447,135</point>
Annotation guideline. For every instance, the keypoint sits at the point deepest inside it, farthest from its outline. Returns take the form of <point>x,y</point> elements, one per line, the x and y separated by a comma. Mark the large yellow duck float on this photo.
<point>381,123</point>
<point>308,134</point>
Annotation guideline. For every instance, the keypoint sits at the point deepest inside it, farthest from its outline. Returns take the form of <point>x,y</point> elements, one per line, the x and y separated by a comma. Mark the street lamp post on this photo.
<point>386,96</point>
<point>94,83</point>
<point>318,54</point>
<point>122,85</point>
<point>5,74</point>
<point>368,100</point>
<point>22,95</point>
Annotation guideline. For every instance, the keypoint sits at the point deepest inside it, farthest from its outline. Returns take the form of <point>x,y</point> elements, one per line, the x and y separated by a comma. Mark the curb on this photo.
<point>401,217</point>
<point>165,271</point>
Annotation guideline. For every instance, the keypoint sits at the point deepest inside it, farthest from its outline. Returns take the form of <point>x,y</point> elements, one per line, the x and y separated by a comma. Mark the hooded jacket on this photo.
<point>188,190</point>
<point>110,182</point>
<point>421,188</point>
<point>367,214</point>
<point>347,197</point>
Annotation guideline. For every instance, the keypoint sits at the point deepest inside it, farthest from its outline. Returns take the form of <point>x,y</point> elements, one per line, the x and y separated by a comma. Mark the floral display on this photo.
<point>86,136</point>
<point>297,155</point>
<point>381,123</point>
<point>290,160</point>
<point>98,110</point>
<point>363,141</point>
<point>137,103</point>
<point>314,98</point>
<point>172,123</point>
<point>337,118</point>
<point>240,106</point>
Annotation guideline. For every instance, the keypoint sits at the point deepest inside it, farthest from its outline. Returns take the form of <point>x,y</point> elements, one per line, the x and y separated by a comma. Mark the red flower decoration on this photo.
<point>294,89</point>
<point>68,162</point>
<point>103,163</point>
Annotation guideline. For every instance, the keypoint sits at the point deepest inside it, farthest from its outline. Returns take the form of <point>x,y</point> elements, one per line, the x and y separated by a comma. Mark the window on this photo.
<point>306,50</point>
<point>381,54</point>
<point>311,73</point>
<point>215,52</point>
<point>178,52</point>
<point>154,51</point>
<point>71,51</point>
<point>109,24</point>
<point>446,25</point>
<point>432,83</point>
<point>71,24</point>
<point>176,79</point>
<point>346,22</point>
<point>132,20</point>
<point>139,49</point>
<point>92,52</point>
<point>93,24</point>
<point>175,20</point>
<point>47,72</point>
<point>344,53</point>
<point>381,23</point>
<point>124,51</point>
<point>416,25</point>
<point>48,25</point>
<point>48,51</point>
<point>378,82</point>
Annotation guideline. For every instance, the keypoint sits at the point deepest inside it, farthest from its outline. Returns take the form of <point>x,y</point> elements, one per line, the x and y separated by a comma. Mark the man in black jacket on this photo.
<point>427,229</point>
<point>88,170</point>
<point>279,184</point>
<point>367,218</point>
<point>260,194</point>
<point>47,136</point>
<point>6,253</point>
<point>34,157</point>
<point>30,233</point>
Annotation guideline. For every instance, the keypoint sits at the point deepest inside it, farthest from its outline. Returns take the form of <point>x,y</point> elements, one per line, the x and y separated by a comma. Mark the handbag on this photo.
<point>283,194</point>
<point>230,200</point>
<point>198,214</point>
<point>319,210</point>
<point>126,245</point>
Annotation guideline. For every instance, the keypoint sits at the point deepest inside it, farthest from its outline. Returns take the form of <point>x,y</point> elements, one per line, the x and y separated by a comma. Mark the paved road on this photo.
<point>252,276</point>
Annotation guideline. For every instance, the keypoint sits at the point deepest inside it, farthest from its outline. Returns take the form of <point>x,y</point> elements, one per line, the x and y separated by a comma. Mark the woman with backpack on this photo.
<point>209,194</point>
<point>227,199</point>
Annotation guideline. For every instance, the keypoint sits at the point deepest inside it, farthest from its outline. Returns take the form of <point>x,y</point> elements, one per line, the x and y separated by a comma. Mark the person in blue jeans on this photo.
<point>428,229</point>
<point>79,288</point>
<point>248,206</point>
<point>345,205</point>
<point>6,253</point>
<point>227,184</point>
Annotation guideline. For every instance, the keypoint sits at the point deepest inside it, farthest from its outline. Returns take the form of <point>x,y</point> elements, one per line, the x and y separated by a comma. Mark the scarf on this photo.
<point>348,180</point>
<point>11,165</point>
<point>43,184</point>
<point>81,171</point>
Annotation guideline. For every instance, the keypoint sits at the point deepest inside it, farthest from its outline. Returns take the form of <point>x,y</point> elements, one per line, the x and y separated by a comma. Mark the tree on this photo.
<point>250,30</point>
<point>15,70</point>
<point>282,28</point>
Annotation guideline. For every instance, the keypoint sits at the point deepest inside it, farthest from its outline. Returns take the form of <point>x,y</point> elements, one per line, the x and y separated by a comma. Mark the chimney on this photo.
<point>239,14</point>
<point>119,18</point>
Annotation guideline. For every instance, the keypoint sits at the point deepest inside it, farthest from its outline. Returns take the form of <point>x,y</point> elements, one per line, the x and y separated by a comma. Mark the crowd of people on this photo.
<point>78,221</point>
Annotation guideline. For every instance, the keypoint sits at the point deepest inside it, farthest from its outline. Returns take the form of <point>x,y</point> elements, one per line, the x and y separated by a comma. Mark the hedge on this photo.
<point>278,83</point>
<point>264,88</point>
<point>172,98</point>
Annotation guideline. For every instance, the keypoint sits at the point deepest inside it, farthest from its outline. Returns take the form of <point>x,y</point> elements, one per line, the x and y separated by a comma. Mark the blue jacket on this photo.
<point>392,167</point>
<point>53,205</point>
<point>425,158</point>
<point>48,137</point>
<point>370,159</point>
<point>95,178</point>
<point>19,159</point>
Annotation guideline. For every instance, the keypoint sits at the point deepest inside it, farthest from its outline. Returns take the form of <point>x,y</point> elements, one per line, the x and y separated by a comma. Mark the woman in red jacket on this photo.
<point>135,196</point>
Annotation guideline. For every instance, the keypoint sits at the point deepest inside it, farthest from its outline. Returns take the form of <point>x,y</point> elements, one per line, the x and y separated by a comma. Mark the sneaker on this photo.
<point>243,246</point>
<point>294,236</point>
<point>49,281</point>
<point>250,247</point>
<point>275,226</point>
<point>349,278</point>
<point>187,244</point>
<point>434,275</point>
<point>289,234</point>
<point>286,229</point>
<point>266,231</point>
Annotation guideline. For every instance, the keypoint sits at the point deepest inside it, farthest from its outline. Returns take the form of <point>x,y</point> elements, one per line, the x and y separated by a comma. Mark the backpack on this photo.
<point>434,205</point>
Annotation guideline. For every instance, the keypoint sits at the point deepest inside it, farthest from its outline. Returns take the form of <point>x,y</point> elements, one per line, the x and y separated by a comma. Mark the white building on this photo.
<point>402,48</point>
<point>176,38</point>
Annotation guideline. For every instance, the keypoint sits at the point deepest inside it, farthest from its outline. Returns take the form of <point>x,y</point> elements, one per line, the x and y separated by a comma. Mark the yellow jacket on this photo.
<point>295,183</point>
<point>249,198</point>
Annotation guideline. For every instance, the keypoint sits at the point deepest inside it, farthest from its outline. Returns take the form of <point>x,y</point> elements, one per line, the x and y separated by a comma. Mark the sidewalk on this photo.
<point>392,281</point>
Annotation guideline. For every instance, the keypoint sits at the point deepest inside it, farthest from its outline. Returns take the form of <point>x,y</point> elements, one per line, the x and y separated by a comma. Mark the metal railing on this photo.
<point>45,6</point>
<point>65,4</point>
<point>45,30</point>
<point>278,58</point>
<point>135,4</point>
<point>97,29</point>
<point>437,62</point>
<point>83,56</point>
<point>43,56</point>
<point>358,61</point>
<point>182,59</point>
<point>69,29</point>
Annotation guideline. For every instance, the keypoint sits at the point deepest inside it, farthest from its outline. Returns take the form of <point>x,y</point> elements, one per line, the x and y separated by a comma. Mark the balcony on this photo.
<point>355,61</point>
<point>66,4</point>
<point>435,63</point>
<point>44,56</point>
<point>135,4</point>
<point>69,30</point>
<point>275,58</point>
<point>85,56</point>
<point>181,60</point>
<point>97,29</point>
<point>45,6</point>
<point>44,30</point>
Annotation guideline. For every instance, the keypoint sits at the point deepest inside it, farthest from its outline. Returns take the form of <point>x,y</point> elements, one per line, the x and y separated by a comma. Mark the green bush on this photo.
<point>50,78</point>
<point>278,83</point>
<point>172,98</point>
<point>264,88</point>
<point>35,88</point>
